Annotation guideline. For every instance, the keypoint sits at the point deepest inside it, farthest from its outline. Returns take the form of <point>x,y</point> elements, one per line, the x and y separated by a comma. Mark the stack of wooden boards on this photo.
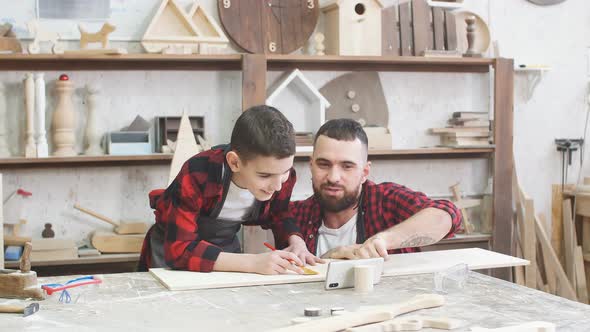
<point>557,262</point>
<point>467,129</point>
<point>127,237</point>
<point>53,249</point>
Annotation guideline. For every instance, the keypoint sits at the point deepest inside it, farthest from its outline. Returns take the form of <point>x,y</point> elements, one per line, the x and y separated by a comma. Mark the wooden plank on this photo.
<point>406,33</point>
<point>569,239</point>
<point>1,226</point>
<point>390,43</point>
<point>586,235</point>
<point>420,24</point>
<point>438,23</point>
<point>549,273</point>
<point>396,265</point>
<point>581,287</point>
<point>451,31</point>
<point>557,222</point>
<point>253,80</point>
<point>564,287</point>
<point>529,245</point>
<point>503,162</point>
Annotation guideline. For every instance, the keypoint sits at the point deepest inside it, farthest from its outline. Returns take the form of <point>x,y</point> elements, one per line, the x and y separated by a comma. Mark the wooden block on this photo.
<point>581,286</point>
<point>108,242</point>
<point>54,255</point>
<point>421,24</point>
<point>390,31</point>
<point>569,238</point>
<point>438,20</point>
<point>11,240</point>
<point>583,205</point>
<point>451,31</point>
<point>10,44</point>
<point>132,227</point>
<point>52,244</point>
<point>20,285</point>
<point>406,34</point>
<point>557,222</point>
<point>186,147</point>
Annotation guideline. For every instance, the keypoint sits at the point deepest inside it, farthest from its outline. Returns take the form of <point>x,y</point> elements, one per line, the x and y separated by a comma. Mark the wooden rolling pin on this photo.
<point>123,228</point>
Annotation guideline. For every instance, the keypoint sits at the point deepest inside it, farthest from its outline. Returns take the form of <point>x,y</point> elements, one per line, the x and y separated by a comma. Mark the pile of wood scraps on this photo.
<point>126,238</point>
<point>467,129</point>
<point>565,277</point>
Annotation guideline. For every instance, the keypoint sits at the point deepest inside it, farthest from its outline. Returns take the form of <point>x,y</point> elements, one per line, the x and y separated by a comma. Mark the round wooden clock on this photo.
<point>546,2</point>
<point>269,26</point>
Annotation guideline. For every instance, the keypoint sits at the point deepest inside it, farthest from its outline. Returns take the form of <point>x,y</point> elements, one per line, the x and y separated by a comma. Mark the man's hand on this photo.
<point>274,262</point>
<point>373,247</point>
<point>297,246</point>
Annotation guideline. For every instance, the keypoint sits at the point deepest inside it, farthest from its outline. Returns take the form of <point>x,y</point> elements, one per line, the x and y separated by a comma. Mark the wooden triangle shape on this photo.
<point>171,23</point>
<point>206,24</point>
<point>186,147</point>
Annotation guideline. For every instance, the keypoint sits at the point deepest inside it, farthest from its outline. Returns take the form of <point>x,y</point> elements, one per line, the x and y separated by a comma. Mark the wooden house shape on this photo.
<point>353,27</point>
<point>172,30</point>
<point>211,36</point>
<point>294,92</point>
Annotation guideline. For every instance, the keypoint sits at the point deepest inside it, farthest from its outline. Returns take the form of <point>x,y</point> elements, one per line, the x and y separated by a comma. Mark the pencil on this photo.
<point>305,270</point>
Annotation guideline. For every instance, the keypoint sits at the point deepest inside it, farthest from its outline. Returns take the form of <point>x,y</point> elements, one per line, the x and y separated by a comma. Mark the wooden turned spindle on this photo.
<point>64,121</point>
<point>470,20</point>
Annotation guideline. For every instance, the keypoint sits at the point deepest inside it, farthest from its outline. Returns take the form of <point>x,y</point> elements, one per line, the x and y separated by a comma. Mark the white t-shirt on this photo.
<point>238,203</point>
<point>329,238</point>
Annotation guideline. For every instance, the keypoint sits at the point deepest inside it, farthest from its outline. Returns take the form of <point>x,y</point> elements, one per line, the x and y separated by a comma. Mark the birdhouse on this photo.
<point>353,27</point>
<point>300,101</point>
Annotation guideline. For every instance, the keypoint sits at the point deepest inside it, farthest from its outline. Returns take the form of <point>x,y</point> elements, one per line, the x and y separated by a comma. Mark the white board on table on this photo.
<point>395,265</point>
<point>433,261</point>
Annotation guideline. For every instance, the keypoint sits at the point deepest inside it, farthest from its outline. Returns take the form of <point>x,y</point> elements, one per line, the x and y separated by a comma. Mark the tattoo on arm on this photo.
<point>417,241</point>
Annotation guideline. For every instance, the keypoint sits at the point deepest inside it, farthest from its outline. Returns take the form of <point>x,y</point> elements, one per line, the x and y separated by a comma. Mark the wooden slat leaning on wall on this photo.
<point>557,221</point>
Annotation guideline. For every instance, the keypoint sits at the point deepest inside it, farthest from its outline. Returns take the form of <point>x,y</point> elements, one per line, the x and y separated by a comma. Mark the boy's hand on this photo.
<point>298,247</point>
<point>275,262</point>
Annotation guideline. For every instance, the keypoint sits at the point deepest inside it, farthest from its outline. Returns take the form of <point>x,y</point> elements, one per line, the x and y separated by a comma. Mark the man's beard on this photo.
<point>333,205</point>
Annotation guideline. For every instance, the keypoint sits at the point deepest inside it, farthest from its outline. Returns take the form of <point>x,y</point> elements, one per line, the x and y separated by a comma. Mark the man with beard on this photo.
<point>351,217</point>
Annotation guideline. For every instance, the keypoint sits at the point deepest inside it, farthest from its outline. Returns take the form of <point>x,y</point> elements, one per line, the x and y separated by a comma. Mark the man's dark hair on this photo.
<point>263,131</point>
<point>343,130</point>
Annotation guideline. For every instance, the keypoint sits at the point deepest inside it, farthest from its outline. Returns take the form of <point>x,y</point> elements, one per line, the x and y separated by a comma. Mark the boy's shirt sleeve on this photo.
<point>281,219</point>
<point>400,203</point>
<point>179,208</point>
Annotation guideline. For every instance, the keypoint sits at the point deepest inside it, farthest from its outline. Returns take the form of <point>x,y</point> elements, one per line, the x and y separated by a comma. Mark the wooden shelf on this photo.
<point>420,153</point>
<point>104,258</point>
<point>86,161</point>
<point>120,62</point>
<point>234,62</point>
<point>164,159</point>
<point>379,63</point>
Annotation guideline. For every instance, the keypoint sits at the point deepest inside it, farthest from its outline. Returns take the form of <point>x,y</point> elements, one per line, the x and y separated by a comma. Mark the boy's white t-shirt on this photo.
<point>329,238</point>
<point>238,203</point>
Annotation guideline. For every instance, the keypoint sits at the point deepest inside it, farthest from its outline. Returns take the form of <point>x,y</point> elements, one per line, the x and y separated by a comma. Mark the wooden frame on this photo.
<point>318,103</point>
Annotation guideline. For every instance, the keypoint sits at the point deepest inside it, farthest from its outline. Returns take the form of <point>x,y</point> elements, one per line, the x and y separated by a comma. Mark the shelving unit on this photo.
<point>254,68</point>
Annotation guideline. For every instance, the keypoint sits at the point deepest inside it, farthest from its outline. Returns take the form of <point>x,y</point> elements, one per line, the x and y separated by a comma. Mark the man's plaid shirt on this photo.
<point>195,191</point>
<point>383,206</point>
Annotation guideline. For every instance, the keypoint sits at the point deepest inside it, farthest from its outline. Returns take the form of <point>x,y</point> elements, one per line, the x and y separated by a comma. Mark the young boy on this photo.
<point>246,182</point>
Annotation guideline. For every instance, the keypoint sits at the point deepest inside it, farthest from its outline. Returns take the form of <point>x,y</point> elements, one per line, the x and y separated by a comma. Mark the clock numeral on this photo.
<point>310,4</point>
<point>226,3</point>
<point>272,46</point>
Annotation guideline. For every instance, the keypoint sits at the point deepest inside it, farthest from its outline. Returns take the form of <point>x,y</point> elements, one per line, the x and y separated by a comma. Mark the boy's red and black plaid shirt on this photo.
<point>195,191</point>
<point>383,206</point>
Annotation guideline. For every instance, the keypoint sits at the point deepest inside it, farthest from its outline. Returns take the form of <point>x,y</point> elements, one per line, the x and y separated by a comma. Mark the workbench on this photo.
<point>137,302</point>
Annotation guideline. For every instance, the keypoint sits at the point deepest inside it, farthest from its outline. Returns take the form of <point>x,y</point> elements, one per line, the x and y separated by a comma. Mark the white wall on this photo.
<point>557,36</point>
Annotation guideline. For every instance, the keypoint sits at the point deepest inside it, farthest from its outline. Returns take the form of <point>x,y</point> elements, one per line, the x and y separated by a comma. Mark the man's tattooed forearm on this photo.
<point>417,241</point>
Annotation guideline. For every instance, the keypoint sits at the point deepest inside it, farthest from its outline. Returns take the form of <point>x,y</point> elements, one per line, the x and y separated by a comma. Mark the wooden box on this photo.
<point>167,129</point>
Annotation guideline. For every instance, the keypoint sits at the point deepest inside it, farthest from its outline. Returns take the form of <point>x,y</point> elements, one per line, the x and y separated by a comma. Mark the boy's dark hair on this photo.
<point>263,131</point>
<point>343,130</point>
